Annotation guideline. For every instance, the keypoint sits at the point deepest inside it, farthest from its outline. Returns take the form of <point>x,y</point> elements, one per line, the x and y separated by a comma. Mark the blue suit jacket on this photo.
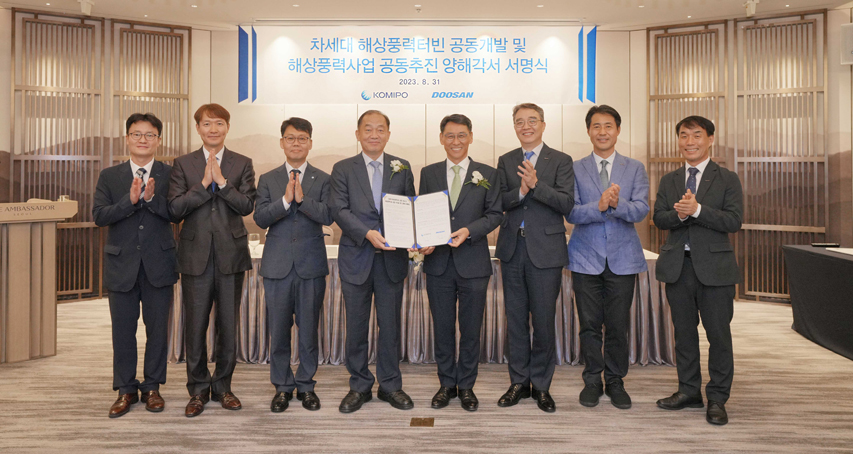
<point>608,236</point>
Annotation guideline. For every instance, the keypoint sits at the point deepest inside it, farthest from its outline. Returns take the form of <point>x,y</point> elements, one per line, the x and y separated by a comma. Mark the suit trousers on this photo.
<point>286,298</point>
<point>530,298</point>
<point>688,300</point>
<point>604,300</point>
<point>199,294</point>
<point>388,297</point>
<point>443,292</point>
<point>124,312</point>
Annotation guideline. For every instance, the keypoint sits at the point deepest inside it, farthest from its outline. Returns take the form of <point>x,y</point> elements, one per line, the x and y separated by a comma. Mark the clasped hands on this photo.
<point>528,176</point>
<point>609,198</point>
<point>294,190</point>
<point>136,190</point>
<point>687,206</point>
<point>212,172</point>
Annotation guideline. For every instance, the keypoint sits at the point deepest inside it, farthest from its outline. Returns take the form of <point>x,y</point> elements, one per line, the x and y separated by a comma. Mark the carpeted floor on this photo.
<point>789,395</point>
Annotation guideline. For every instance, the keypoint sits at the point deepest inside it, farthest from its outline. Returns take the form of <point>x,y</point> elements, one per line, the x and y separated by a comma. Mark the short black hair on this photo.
<point>300,124</point>
<point>529,105</point>
<point>459,119</point>
<point>694,121</point>
<point>603,109</point>
<point>146,117</point>
<point>374,111</point>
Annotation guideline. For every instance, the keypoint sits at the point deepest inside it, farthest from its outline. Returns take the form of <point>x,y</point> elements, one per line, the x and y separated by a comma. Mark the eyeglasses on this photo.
<point>301,139</point>
<point>531,121</point>
<point>452,137</point>
<point>148,136</point>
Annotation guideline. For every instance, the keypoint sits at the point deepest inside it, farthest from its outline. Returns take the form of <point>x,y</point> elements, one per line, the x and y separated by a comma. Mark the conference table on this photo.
<point>651,335</point>
<point>820,281</point>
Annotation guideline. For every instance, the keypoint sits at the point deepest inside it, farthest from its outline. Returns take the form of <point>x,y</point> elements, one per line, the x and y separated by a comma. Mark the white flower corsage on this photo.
<point>478,180</point>
<point>417,258</point>
<point>396,166</point>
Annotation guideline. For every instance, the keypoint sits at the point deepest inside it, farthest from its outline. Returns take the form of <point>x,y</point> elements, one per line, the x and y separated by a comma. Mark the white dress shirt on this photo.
<point>134,168</point>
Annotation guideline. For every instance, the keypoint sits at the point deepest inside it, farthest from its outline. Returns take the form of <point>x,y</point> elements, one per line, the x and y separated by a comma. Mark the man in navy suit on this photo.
<point>293,203</point>
<point>700,204</point>
<point>537,191</point>
<point>139,261</point>
<point>370,270</point>
<point>462,269</point>
<point>605,254</point>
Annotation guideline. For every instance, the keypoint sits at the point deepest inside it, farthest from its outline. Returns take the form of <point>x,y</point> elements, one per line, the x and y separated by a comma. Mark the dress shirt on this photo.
<point>134,168</point>
<point>462,172</point>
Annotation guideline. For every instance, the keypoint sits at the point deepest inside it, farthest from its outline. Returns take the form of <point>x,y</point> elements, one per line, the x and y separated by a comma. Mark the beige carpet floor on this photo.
<point>789,395</point>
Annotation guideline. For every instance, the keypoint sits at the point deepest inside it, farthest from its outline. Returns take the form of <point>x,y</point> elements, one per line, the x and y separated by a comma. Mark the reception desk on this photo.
<point>651,335</point>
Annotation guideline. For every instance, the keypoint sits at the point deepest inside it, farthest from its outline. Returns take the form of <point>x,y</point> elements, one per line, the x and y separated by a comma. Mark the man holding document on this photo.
<point>461,269</point>
<point>369,268</point>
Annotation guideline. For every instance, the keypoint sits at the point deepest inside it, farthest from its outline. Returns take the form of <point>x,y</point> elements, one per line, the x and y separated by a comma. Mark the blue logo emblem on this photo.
<point>365,96</point>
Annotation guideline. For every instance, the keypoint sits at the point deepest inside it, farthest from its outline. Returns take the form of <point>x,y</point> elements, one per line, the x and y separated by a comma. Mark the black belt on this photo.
<point>521,232</point>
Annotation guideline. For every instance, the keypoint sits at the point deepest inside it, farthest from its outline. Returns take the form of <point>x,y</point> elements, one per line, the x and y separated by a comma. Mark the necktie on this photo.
<point>213,183</point>
<point>603,176</point>
<point>376,185</point>
<point>527,156</point>
<point>140,173</point>
<point>295,174</point>
<point>691,180</point>
<point>455,186</point>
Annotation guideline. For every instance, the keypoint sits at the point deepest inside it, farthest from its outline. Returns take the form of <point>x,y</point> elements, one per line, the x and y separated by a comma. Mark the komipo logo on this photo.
<point>365,96</point>
<point>453,94</point>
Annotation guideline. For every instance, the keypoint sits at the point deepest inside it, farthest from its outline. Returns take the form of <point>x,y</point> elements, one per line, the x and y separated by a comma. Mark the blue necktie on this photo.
<point>527,156</point>
<point>691,180</point>
<point>376,185</point>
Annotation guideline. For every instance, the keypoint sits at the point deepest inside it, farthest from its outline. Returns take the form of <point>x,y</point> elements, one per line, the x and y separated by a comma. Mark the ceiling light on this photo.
<point>417,6</point>
<point>195,6</point>
<point>296,6</point>
<point>146,15</point>
<point>689,17</point>
<point>642,6</point>
<point>540,6</point>
<point>48,4</point>
<point>787,6</point>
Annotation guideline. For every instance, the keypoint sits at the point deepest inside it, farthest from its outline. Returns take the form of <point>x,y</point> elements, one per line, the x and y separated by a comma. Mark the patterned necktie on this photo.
<point>456,186</point>
<point>140,173</point>
<point>603,176</point>
<point>527,156</point>
<point>376,185</point>
<point>691,180</point>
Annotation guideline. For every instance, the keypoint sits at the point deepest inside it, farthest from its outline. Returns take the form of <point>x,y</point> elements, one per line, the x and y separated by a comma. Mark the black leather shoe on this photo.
<point>398,399</point>
<point>515,393</point>
<point>310,401</point>
<point>716,413</point>
<point>280,401</point>
<point>354,400</point>
<point>469,400</point>
<point>544,401</point>
<point>618,396</point>
<point>442,398</point>
<point>680,400</point>
<point>590,394</point>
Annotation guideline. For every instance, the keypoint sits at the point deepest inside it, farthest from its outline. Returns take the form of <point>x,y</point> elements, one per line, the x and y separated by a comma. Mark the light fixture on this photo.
<point>296,6</point>
<point>417,6</point>
<point>146,15</point>
<point>195,6</point>
<point>540,6</point>
<point>642,6</point>
<point>48,4</point>
<point>689,17</point>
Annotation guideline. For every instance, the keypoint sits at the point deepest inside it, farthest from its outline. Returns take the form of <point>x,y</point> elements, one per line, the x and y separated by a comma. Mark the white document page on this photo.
<point>399,222</point>
<point>432,219</point>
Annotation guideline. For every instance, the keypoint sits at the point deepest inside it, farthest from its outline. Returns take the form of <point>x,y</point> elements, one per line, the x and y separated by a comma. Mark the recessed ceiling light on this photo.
<point>146,15</point>
<point>642,6</point>
<point>689,17</point>
<point>417,6</point>
<point>787,6</point>
<point>540,6</point>
<point>195,6</point>
<point>296,6</point>
<point>48,4</point>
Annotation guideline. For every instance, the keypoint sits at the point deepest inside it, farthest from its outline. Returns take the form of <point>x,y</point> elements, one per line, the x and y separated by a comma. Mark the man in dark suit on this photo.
<point>605,254</point>
<point>370,270</point>
<point>537,191</point>
<point>460,270</point>
<point>139,261</point>
<point>293,203</point>
<point>212,189</point>
<point>700,204</point>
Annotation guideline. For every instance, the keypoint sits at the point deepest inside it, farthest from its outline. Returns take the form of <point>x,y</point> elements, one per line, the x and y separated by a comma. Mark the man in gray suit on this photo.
<point>460,270</point>
<point>369,269</point>
<point>211,190</point>
<point>537,191</point>
<point>293,203</point>
<point>700,204</point>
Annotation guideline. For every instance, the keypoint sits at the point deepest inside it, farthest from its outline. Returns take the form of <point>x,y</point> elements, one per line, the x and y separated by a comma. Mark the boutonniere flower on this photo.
<point>478,180</point>
<point>397,166</point>
<point>417,258</point>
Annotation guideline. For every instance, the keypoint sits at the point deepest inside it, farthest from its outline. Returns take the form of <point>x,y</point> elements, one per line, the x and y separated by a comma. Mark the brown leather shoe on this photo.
<point>153,401</point>
<point>122,404</point>
<point>196,405</point>
<point>228,400</point>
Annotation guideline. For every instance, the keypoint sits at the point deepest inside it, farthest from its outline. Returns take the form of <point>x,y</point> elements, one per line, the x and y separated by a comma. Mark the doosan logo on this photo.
<point>453,94</point>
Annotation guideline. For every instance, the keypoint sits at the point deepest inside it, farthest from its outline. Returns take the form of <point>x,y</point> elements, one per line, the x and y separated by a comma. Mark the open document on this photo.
<point>416,222</point>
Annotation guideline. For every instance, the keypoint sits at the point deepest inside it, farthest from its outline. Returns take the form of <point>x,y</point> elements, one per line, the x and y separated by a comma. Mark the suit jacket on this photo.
<point>139,234</point>
<point>608,236</point>
<point>295,236</point>
<point>542,209</point>
<point>354,212</point>
<point>712,253</point>
<point>212,220</point>
<point>478,209</point>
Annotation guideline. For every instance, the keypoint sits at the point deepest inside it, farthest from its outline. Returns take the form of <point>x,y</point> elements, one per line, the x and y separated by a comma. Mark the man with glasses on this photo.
<point>370,270</point>
<point>293,203</point>
<point>139,262</point>
<point>537,191</point>
<point>212,189</point>
<point>461,270</point>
